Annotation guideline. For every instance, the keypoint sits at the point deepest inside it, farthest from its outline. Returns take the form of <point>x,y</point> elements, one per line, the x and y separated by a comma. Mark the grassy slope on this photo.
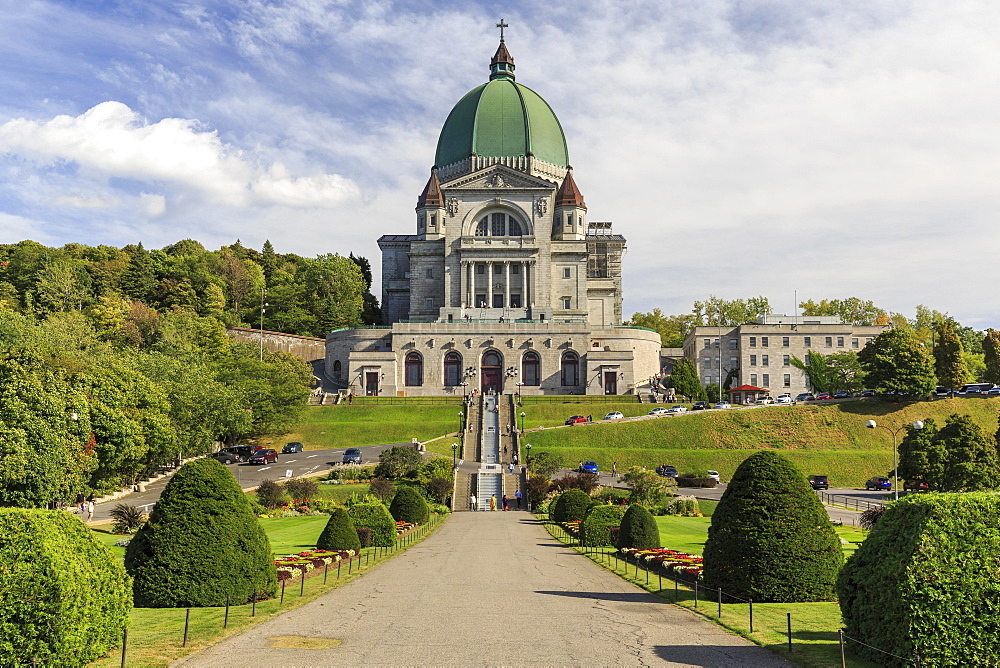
<point>829,439</point>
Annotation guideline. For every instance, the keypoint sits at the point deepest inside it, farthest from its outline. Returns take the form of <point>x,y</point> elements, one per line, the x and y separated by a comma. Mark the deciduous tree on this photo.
<point>895,363</point>
<point>949,363</point>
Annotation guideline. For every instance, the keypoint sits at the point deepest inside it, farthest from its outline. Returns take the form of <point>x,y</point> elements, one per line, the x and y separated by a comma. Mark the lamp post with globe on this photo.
<point>454,455</point>
<point>871,424</point>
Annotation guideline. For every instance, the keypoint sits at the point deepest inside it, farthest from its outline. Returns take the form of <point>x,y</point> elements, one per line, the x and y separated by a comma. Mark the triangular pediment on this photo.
<point>499,178</point>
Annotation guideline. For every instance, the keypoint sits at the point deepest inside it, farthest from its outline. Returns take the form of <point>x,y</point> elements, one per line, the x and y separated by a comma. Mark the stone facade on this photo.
<point>762,352</point>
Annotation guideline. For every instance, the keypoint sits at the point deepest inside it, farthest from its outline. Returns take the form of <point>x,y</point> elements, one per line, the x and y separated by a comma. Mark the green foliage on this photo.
<point>673,329</point>
<point>301,488</point>
<point>598,522</point>
<point>201,544</point>
<point>921,457</point>
<point>647,486</point>
<point>895,362</point>
<point>546,464</point>
<point>339,533</point>
<point>570,506</point>
<point>383,489</point>
<point>949,361</point>
<point>270,494</point>
<point>638,529</point>
<point>65,597</point>
<point>409,506</point>
<point>538,488</point>
<point>713,392</point>
<point>971,462</point>
<point>924,582</point>
<point>435,467</point>
<point>439,489</point>
<point>715,312</point>
<point>375,516</point>
<point>851,311</point>
<point>991,356</point>
<point>399,461</point>
<point>832,373</point>
<point>771,538</point>
<point>127,518</point>
<point>685,381</point>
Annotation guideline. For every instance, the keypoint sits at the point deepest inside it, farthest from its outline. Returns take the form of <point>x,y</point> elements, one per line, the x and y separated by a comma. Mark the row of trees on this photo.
<point>959,457</point>
<point>306,296</point>
<point>82,409</point>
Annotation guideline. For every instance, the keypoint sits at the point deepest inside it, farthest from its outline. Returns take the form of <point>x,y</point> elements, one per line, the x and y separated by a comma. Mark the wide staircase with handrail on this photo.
<point>489,452</point>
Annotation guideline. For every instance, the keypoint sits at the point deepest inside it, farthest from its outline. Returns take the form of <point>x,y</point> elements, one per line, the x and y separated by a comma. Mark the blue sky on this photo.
<point>744,148</point>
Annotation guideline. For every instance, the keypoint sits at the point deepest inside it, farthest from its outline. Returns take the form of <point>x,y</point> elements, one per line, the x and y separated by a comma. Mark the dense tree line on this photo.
<point>92,403</point>
<point>306,296</point>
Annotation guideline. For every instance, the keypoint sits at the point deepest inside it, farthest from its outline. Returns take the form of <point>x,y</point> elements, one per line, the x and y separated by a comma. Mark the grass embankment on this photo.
<point>156,634</point>
<point>814,625</point>
<point>827,439</point>
<point>324,427</point>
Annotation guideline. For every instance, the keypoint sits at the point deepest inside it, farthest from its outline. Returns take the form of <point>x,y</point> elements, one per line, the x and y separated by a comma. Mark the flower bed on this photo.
<point>671,562</point>
<point>403,527</point>
<point>297,565</point>
<point>572,528</point>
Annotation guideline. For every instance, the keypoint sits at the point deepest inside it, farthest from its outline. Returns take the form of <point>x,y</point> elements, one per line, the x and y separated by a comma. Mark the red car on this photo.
<point>822,396</point>
<point>576,419</point>
<point>265,456</point>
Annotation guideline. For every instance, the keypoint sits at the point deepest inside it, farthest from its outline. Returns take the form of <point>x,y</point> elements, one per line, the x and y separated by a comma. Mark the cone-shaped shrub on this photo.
<point>571,506</point>
<point>409,506</point>
<point>376,517</point>
<point>770,537</point>
<point>202,543</point>
<point>638,528</point>
<point>339,533</point>
<point>64,597</point>
<point>925,583</point>
<point>597,524</point>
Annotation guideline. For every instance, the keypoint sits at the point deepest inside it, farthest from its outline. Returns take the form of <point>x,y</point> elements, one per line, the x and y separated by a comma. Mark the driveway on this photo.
<point>490,589</point>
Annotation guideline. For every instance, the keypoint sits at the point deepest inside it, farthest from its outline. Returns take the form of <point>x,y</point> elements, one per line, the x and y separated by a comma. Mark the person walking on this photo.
<point>517,495</point>
<point>472,502</point>
<point>90,510</point>
<point>614,468</point>
<point>506,503</point>
<point>510,468</point>
<point>493,502</point>
<point>80,500</point>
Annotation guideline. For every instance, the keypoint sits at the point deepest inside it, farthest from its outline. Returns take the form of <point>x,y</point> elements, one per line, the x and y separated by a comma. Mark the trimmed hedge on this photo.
<point>697,482</point>
<point>598,522</point>
<point>571,506</point>
<point>925,582</point>
<point>771,538</point>
<point>201,544</point>
<point>376,517</point>
<point>339,533</point>
<point>64,597</point>
<point>638,529</point>
<point>409,506</point>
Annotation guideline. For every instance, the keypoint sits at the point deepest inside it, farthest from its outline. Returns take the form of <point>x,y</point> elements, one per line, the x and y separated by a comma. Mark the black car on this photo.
<point>667,471</point>
<point>289,448</point>
<point>819,482</point>
<point>700,406</point>
<point>235,453</point>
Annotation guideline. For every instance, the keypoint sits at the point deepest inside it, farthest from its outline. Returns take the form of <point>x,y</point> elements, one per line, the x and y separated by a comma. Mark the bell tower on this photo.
<point>569,221</point>
<point>430,210</point>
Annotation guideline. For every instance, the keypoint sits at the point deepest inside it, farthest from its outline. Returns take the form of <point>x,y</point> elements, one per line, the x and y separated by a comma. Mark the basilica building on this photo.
<point>506,284</point>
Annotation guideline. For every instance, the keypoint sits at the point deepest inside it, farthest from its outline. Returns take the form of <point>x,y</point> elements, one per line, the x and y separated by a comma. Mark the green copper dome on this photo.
<point>502,119</point>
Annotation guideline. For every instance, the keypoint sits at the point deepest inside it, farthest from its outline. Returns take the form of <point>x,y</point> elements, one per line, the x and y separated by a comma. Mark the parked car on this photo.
<point>576,419</point>
<point>723,404</point>
<point>589,467</point>
<point>878,483</point>
<point>842,394</point>
<point>765,399</point>
<point>667,471</point>
<point>784,399</point>
<point>805,396</point>
<point>942,391</point>
<point>700,406</point>
<point>614,415</point>
<point>236,453</point>
<point>677,409</point>
<point>823,396</point>
<point>916,486</point>
<point>994,392</point>
<point>264,456</point>
<point>659,410</point>
<point>868,393</point>
<point>352,456</point>
<point>714,475</point>
<point>292,447</point>
<point>819,482</point>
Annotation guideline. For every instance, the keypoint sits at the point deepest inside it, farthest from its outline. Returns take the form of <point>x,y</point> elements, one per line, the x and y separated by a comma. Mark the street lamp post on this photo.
<point>461,422</point>
<point>454,453</point>
<point>522,422</point>
<point>527,457</point>
<point>871,424</point>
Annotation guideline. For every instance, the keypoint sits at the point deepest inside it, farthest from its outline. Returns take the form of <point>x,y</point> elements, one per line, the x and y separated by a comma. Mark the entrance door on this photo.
<point>610,382</point>
<point>492,372</point>
<point>371,383</point>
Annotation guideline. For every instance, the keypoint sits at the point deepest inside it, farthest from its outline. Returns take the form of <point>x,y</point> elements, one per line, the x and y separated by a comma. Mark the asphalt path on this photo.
<point>487,589</point>
<point>250,475</point>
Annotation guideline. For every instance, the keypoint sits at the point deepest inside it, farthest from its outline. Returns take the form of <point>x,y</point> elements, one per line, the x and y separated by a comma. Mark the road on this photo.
<point>487,589</point>
<point>247,475</point>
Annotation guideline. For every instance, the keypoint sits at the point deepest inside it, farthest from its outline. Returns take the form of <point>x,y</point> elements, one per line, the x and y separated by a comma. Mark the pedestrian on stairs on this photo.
<point>510,468</point>
<point>506,503</point>
<point>517,495</point>
<point>493,502</point>
<point>472,502</point>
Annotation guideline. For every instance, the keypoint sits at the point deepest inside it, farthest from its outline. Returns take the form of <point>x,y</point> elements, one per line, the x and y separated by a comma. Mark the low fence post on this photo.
<point>675,590</point>
<point>253,604</point>
<point>751,615</point>
<point>720,603</point>
<point>187,618</point>
<point>282,592</point>
<point>789,632</point>
<point>338,568</point>
<point>302,585</point>
<point>696,593</point>
<point>225,620</point>
<point>326,568</point>
<point>124,645</point>
<point>843,658</point>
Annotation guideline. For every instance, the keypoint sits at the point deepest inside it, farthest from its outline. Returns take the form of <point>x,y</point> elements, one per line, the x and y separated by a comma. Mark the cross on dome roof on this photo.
<point>502,25</point>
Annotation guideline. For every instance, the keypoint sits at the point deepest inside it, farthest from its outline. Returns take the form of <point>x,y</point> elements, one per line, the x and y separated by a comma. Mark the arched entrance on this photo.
<point>491,372</point>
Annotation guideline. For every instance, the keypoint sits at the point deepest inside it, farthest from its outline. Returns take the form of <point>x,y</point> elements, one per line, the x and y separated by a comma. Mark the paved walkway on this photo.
<point>490,589</point>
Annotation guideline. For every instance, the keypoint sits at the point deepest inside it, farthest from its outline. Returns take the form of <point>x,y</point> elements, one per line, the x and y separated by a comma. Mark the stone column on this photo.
<point>506,284</point>
<point>489,284</point>
<point>470,273</point>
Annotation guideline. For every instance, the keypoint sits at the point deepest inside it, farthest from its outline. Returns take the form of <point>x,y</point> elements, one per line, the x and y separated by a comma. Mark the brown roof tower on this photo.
<point>431,197</point>
<point>569,194</point>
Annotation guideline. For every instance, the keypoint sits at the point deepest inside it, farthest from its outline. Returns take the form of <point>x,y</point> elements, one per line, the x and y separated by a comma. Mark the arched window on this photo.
<point>337,369</point>
<point>414,366</point>
<point>483,229</point>
<point>452,368</point>
<point>499,225</point>
<point>530,369</point>
<point>513,228</point>
<point>570,369</point>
